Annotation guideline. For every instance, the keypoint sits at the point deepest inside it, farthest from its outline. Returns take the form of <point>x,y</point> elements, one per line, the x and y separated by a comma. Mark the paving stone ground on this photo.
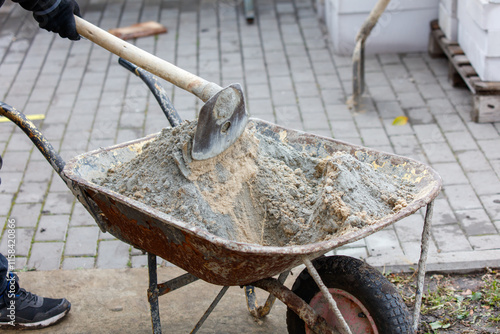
<point>290,76</point>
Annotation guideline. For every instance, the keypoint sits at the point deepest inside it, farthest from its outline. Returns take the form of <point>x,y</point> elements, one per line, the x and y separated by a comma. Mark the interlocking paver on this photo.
<point>45,255</point>
<point>450,238</point>
<point>476,222</point>
<point>460,141</point>
<point>485,242</point>
<point>113,254</point>
<point>462,197</point>
<point>485,182</point>
<point>473,161</point>
<point>451,173</point>
<point>82,241</point>
<point>52,228</point>
<point>492,205</point>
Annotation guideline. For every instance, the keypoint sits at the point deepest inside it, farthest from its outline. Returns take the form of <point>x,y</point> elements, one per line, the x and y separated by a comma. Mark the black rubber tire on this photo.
<point>368,285</point>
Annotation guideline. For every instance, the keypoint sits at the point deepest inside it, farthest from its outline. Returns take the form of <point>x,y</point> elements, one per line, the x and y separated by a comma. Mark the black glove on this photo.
<point>54,15</point>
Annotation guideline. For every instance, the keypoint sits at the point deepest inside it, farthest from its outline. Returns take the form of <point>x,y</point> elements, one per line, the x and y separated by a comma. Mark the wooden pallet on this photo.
<point>486,94</point>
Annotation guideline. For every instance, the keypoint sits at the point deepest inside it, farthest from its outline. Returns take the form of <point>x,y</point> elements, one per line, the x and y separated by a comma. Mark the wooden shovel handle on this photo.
<point>165,70</point>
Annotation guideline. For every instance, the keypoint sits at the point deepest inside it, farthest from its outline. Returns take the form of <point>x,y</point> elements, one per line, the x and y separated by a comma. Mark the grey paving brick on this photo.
<point>382,93</point>
<point>410,228</point>
<point>412,250</point>
<point>431,91</point>
<point>337,112</point>
<point>406,145</point>
<point>113,254</point>
<point>139,261</point>
<point>476,222</point>
<point>462,197</point>
<point>450,122</point>
<point>374,137</point>
<point>10,182</point>
<point>45,255</point>
<point>411,100</point>
<point>402,84</point>
<point>23,237</point>
<point>316,121</point>
<point>389,109</point>
<point>460,141</point>
<point>59,203</point>
<point>428,133</point>
<point>6,200</point>
<point>485,242</point>
<point>71,263</point>
<point>440,106</point>
<point>438,152</point>
<point>443,213</point>
<point>451,173</point>
<point>15,161</point>
<point>485,182</point>
<point>393,129</point>
<point>344,129</point>
<point>492,205</point>
<point>32,192</point>
<point>473,161</point>
<point>383,242</point>
<point>376,79</point>
<point>491,148</point>
<point>52,228</point>
<point>82,241</point>
<point>356,252</point>
<point>482,131</point>
<point>106,236</point>
<point>328,81</point>
<point>450,238</point>
<point>496,166</point>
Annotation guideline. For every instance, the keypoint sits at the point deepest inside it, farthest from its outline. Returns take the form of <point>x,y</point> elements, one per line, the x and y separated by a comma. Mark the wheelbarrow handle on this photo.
<point>158,91</point>
<point>165,70</point>
<point>43,145</point>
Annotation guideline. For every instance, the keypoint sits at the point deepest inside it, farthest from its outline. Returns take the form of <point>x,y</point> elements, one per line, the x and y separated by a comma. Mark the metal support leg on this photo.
<point>153,294</point>
<point>252,304</point>
<point>358,57</point>
<point>422,264</point>
<point>210,309</point>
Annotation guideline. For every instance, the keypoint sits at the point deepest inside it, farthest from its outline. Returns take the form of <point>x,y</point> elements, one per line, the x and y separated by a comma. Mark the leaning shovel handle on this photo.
<point>165,70</point>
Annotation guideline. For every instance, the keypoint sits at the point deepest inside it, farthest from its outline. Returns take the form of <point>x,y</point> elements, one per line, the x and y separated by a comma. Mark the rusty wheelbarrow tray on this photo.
<point>209,257</point>
<point>215,259</point>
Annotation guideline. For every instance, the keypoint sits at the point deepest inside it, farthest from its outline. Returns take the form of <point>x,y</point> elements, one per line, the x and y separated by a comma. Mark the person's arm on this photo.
<point>54,15</point>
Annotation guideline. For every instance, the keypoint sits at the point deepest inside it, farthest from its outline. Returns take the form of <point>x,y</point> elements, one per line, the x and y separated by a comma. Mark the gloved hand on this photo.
<point>54,15</point>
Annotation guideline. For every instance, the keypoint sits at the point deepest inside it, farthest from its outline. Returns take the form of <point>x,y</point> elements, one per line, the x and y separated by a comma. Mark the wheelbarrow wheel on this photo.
<point>366,299</point>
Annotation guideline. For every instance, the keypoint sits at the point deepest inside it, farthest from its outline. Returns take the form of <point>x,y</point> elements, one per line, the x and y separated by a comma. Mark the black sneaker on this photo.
<point>31,311</point>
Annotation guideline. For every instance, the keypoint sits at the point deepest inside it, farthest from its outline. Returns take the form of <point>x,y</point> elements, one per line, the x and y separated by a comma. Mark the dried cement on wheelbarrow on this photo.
<point>260,190</point>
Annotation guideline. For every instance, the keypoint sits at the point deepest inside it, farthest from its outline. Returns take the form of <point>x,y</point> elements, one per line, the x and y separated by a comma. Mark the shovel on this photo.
<point>222,119</point>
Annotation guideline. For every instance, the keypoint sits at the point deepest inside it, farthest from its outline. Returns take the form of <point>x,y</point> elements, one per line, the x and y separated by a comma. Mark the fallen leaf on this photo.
<point>400,120</point>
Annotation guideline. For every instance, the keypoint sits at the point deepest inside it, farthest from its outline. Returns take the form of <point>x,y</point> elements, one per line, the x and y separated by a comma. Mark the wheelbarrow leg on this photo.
<point>253,307</point>
<point>422,263</point>
<point>153,294</point>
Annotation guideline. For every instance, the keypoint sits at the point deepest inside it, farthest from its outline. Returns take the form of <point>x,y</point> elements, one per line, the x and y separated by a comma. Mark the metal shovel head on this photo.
<point>222,120</point>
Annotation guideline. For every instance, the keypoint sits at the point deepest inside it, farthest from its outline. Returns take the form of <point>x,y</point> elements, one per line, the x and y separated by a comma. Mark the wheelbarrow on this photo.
<point>334,294</point>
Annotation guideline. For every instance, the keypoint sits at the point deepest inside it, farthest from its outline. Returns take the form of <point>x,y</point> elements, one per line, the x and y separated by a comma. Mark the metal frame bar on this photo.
<point>422,264</point>
<point>252,304</point>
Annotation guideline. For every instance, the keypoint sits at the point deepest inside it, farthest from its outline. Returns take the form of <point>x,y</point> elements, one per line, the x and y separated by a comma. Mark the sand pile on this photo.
<point>259,190</point>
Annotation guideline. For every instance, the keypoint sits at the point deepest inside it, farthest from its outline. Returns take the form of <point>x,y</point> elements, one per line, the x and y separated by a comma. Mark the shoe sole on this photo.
<point>36,325</point>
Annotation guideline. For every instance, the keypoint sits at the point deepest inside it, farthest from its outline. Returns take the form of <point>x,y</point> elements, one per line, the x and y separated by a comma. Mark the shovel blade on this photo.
<point>222,121</point>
